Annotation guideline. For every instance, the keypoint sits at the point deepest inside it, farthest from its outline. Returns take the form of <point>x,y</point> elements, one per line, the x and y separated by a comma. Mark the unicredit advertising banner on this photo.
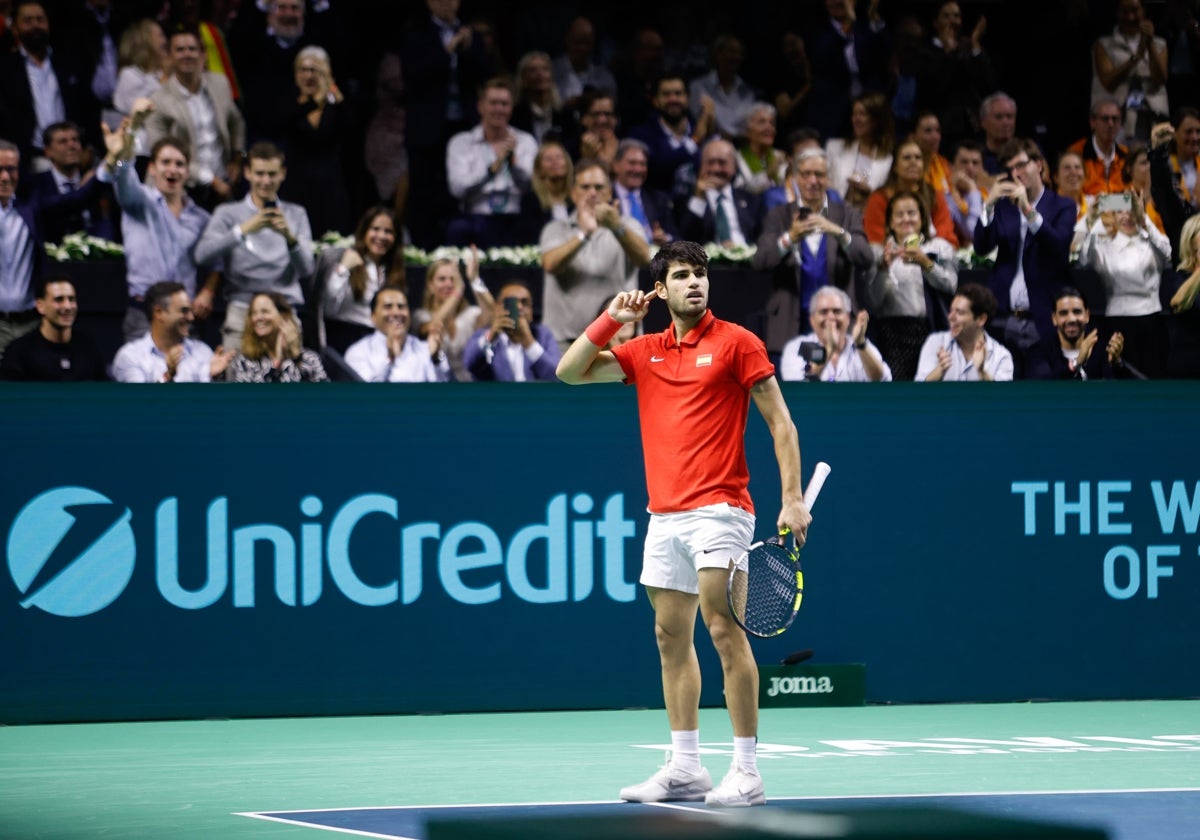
<point>198,551</point>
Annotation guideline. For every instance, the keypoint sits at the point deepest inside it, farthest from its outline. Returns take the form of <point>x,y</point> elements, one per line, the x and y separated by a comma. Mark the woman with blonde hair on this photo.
<point>145,64</point>
<point>271,350</point>
<point>317,138</point>
<point>1179,290</point>
<point>550,198</point>
<point>444,308</point>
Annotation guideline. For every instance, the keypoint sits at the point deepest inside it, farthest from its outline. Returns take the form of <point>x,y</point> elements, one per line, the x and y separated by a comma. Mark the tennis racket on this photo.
<point>766,584</point>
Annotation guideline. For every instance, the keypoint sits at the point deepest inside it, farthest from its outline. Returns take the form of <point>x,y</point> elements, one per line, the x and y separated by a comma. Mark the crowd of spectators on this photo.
<point>855,145</point>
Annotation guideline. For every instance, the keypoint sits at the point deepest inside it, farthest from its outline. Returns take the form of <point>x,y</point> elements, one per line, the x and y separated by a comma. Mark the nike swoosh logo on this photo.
<point>658,358</point>
<point>675,783</point>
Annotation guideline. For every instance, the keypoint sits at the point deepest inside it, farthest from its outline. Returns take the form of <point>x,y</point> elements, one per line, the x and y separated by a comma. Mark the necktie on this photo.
<point>68,186</point>
<point>638,212</point>
<point>724,234</point>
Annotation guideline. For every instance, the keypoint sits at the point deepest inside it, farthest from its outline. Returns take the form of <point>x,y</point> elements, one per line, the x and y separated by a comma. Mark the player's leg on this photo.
<point>670,581</point>
<point>738,667</point>
<point>675,633</point>
<point>725,540</point>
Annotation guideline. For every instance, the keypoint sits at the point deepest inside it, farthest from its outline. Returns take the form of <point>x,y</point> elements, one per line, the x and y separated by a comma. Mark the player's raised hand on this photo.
<point>631,307</point>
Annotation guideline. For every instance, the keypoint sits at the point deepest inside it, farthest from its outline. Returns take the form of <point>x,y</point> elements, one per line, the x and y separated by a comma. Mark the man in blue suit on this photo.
<point>1031,227</point>
<point>68,198</point>
<point>512,349</point>
<point>21,251</point>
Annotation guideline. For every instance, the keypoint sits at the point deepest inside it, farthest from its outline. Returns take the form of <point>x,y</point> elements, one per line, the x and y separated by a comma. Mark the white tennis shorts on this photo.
<point>678,545</point>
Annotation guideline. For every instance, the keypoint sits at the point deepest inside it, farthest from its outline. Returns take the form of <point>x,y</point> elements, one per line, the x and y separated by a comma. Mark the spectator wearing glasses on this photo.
<point>1031,228</point>
<point>512,349</point>
<point>1103,157</point>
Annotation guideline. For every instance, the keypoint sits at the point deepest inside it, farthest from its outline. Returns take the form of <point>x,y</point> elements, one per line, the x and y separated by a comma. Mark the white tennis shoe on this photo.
<point>739,789</point>
<point>670,784</point>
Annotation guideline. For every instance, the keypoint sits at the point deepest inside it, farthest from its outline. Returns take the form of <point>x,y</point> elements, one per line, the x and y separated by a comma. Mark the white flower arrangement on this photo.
<point>81,246</point>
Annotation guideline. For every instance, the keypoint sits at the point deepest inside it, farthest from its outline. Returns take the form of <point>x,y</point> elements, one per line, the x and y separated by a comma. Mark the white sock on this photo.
<point>685,750</point>
<point>744,754</point>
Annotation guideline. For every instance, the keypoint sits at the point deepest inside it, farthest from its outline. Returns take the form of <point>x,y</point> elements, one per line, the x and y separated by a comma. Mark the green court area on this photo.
<point>217,778</point>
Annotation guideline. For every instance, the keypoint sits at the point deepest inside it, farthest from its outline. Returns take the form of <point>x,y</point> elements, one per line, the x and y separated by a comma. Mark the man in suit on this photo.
<point>512,350</point>
<point>444,67</point>
<point>22,252</point>
<point>1031,227</point>
<point>672,139</point>
<point>809,242</point>
<point>39,87</point>
<point>838,35</point>
<point>718,211</point>
<point>215,162</point>
<point>68,198</point>
<point>650,208</point>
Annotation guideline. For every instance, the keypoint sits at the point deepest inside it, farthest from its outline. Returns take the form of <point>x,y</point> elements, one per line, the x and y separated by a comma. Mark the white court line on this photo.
<point>695,808</point>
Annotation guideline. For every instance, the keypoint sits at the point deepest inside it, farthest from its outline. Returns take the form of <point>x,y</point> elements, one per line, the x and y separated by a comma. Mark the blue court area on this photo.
<point>1124,815</point>
<point>1123,770</point>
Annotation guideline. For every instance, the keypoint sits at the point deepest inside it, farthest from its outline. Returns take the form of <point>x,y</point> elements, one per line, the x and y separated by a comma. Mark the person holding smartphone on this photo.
<point>262,243</point>
<point>513,348</point>
<point>1130,255</point>
<point>809,243</point>
<point>1031,228</point>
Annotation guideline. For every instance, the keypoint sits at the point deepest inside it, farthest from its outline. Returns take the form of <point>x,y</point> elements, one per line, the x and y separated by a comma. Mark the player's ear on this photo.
<point>660,290</point>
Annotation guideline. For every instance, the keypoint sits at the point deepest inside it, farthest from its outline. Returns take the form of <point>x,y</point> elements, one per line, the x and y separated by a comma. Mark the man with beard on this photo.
<point>392,353</point>
<point>671,137</point>
<point>1068,354</point>
<point>40,87</point>
<point>54,352</point>
<point>168,353</point>
<point>695,381</point>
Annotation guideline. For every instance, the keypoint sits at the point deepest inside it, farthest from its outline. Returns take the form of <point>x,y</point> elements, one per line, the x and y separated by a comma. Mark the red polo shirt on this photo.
<point>693,399</point>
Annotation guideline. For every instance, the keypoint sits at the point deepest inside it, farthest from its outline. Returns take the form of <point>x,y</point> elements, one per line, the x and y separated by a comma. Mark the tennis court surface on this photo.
<point>1130,768</point>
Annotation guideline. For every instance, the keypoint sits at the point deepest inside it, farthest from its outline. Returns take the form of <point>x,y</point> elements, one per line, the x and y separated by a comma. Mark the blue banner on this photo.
<point>228,551</point>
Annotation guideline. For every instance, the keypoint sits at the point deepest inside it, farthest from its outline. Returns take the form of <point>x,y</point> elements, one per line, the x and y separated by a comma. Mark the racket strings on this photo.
<point>764,597</point>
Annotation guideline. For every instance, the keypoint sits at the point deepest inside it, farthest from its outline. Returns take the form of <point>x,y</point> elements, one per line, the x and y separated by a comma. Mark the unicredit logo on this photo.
<point>71,552</point>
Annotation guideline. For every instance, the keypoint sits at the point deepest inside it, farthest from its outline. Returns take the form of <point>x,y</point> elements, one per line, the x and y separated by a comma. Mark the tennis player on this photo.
<point>695,382</point>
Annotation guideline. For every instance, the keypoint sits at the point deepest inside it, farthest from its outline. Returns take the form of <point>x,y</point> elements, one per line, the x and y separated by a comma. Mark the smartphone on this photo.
<point>1114,202</point>
<point>513,305</point>
<point>803,212</point>
<point>270,204</point>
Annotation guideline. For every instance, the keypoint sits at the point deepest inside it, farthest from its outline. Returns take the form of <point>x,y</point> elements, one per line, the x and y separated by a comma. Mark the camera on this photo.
<point>812,352</point>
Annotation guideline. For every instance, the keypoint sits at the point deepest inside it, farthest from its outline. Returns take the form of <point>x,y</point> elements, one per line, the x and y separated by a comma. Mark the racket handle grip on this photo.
<point>820,473</point>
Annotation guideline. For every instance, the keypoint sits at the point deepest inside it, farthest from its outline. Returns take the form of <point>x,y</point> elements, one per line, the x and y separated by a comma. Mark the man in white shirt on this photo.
<point>841,354</point>
<point>168,353</point>
<point>965,352</point>
<point>197,107</point>
<point>392,353</point>
<point>488,169</point>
